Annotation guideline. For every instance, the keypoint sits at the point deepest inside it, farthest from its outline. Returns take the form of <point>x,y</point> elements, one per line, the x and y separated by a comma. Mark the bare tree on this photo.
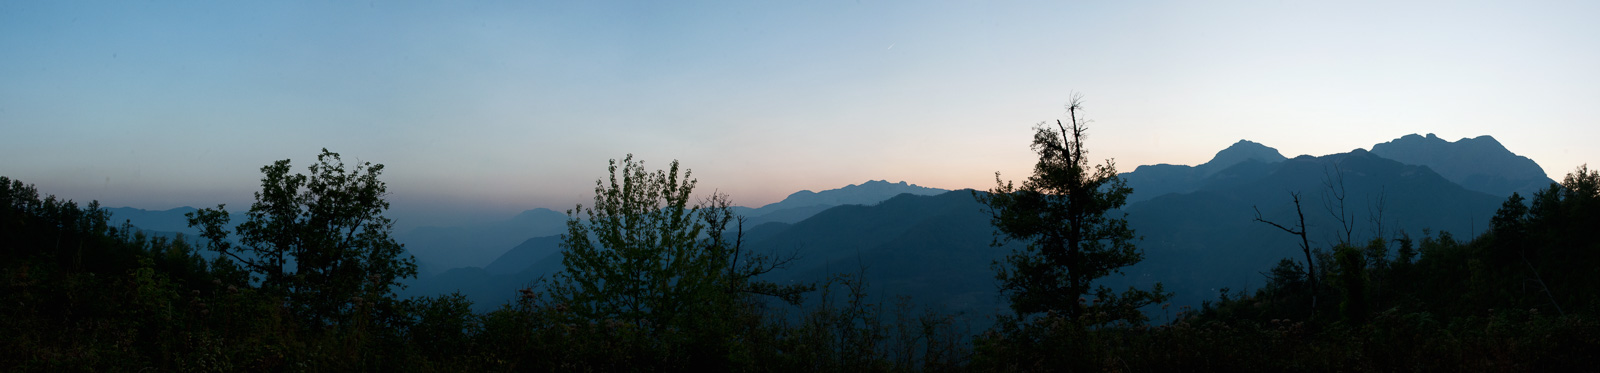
<point>1377,250</point>
<point>1375,209</point>
<point>743,266</point>
<point>1333,201</point>
<point>1305,243</point>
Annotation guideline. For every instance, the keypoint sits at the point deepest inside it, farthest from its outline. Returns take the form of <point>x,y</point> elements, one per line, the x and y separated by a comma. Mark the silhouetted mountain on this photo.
<point>1152,181</point>
<point>486,288</point>
<point>171,221</point>
<point>539,256</point>
<point>440,248</point>
<point>889,234</point>
<point>1480,163</point>
<point>1205,240</point>
<point>802,204</point>
<point>1241,151</point>
<point>934,249</point>
<point>524,255</point>
<point>1197,228</point>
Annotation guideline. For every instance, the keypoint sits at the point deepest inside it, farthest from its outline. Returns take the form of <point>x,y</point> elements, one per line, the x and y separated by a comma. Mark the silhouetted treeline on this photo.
<point>1520,297</point>
<point>82,292</point>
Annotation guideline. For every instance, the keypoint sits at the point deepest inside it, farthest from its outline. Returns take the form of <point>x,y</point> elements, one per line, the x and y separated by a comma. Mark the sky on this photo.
<point>482,109</point>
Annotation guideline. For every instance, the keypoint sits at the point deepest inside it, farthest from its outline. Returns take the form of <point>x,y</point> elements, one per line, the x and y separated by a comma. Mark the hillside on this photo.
<point>1479,163</point>
<point>935,249</point>
<point>1208,239</point>
<point>442,248</point>
<point>1152,181</point>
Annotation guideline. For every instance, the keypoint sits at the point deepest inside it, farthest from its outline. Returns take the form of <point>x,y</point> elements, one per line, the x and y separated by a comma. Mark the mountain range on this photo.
<point>1196,224</point>
<point>441,248</point>
<point>1150,181</point>
<point>539,257</point>
<point>1479,163</point>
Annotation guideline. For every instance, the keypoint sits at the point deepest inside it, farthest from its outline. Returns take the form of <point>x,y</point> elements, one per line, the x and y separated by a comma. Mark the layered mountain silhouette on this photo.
<point>936,249</point>
<point>442,248</point>
<point>1151,181</point>
<point>538,256</point>
<point>1198,234</point>
<point>519,257</point>
<point>1479,163</point>
<point>481,245</point>
<point>803,204</point>
<point>1196,224</point>
<point>1206,240</point>
<point>171,220</point>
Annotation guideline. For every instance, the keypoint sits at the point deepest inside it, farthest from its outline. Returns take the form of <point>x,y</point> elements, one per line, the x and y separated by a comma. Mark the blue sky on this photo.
<point>498,107</point>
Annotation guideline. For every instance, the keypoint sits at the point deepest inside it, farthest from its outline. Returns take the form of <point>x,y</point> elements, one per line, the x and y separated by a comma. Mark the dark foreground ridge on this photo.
<point>1413,271</point>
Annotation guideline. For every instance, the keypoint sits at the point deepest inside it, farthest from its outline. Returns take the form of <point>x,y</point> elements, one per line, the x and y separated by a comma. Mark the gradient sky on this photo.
<point>495,107</point>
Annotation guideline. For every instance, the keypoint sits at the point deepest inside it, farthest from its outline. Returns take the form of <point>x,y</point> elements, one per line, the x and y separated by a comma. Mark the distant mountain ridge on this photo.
<point>1195,222</point>
<point>169,220</point>
<point>1213,227</point>
<point>1480,163</point>
<point>1151,181</point>
<point>935,249</point>
<point>797,207</point>
<point>442,248</point>
<point>870,192</point>
<point>802,204</point>
<point>534,257</point>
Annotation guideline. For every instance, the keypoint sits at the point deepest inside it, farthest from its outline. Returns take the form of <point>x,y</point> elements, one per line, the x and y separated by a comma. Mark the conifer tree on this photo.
<point>1064,213</point>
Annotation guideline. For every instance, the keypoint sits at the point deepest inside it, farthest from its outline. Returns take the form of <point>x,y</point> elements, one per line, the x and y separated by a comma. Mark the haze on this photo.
<point>497,107</point>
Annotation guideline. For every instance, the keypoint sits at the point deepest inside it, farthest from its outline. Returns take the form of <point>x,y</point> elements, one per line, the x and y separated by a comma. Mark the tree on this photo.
<point>742,267</point>
<point>1063,212</point>
<point>1509,227</point>
<point>320,240</point>
<point>1333,202</point>
<point>641,254</point>
<point>1352,278</point>
<point>1305,244</point>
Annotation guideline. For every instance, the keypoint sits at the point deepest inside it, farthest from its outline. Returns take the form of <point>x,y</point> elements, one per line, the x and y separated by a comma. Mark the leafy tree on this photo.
<point>636,256</point>
<point>1407,251</point>
<point>320,240</point>
<point>725,244</point>
<point>1064,214</point>
<point>1353,280</point>
<point>643,255</point>
<point>1509,225</point>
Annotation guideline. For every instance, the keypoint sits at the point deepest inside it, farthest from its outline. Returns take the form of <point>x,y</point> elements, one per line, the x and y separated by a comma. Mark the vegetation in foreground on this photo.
<point>657,282</point>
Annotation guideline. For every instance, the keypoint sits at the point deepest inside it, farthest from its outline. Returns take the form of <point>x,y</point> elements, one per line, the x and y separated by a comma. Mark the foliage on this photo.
<point>1392,341</point>
<point>1064,214</point>
<point>636,254</point>
<point>78,293</point>
<point>151,303</point>
<point>643,256</point>
<point>1353,281</point>
<point>320,239</point>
